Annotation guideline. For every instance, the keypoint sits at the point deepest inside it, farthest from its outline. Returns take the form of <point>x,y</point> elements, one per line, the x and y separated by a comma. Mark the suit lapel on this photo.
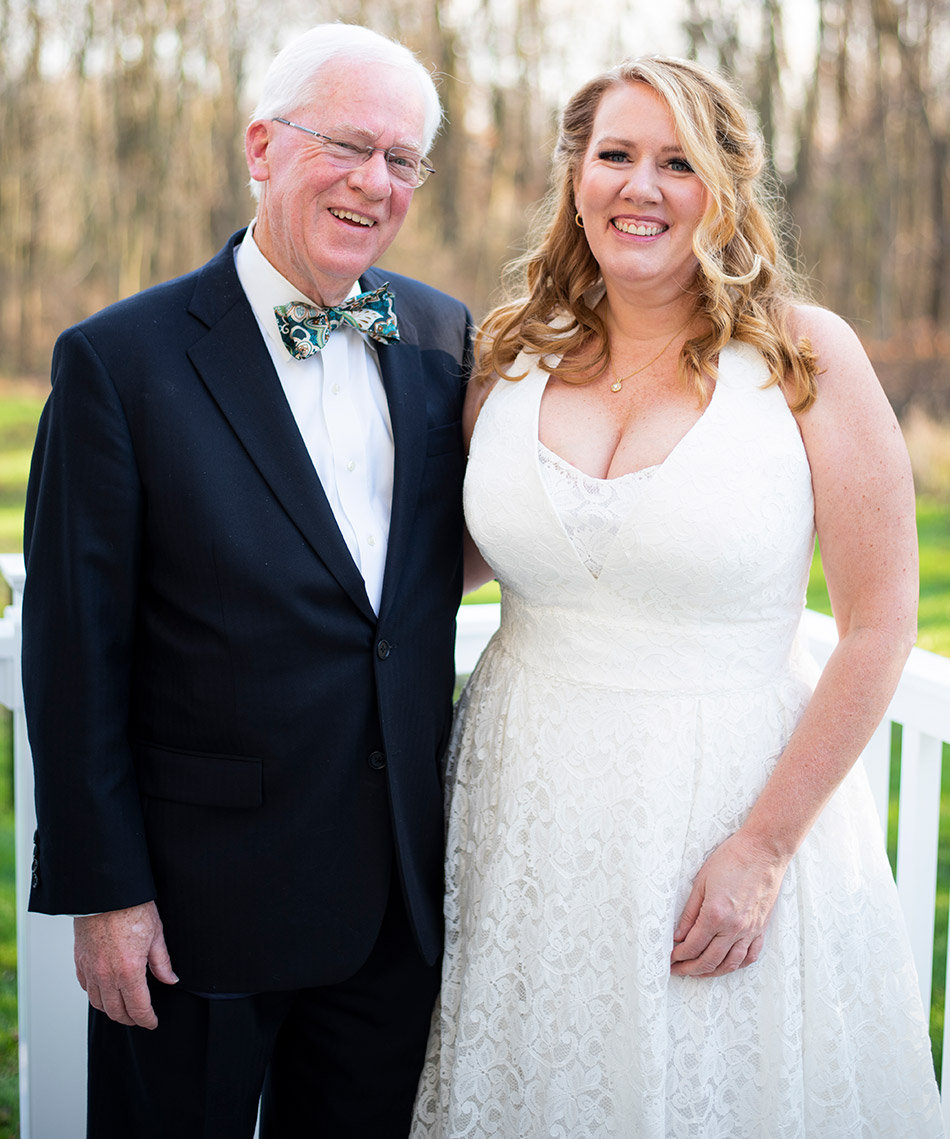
<point>402,372</point>
<point>236,368</point>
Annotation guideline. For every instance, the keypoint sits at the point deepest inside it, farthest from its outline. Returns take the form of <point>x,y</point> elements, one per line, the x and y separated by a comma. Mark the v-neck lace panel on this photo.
<point>591,510</point>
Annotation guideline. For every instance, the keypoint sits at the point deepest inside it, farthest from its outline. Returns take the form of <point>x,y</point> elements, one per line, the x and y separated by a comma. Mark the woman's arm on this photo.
<point>865,516</point>
<point>476,570</point>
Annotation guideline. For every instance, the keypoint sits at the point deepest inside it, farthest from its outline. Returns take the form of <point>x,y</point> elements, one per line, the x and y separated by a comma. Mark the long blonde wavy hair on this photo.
<point>744,284</point>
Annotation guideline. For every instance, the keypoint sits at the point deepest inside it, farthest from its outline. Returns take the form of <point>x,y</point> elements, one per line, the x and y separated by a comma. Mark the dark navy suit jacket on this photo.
<point>219,720</point>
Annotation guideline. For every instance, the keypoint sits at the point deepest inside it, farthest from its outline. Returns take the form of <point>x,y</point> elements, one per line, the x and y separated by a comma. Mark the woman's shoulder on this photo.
<point>842,368</point>
<point>848,388</point>
<point>826,331</point>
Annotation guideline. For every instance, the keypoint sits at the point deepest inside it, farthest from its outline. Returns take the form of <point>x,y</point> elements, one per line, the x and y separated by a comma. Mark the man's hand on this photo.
<point>111,952</point>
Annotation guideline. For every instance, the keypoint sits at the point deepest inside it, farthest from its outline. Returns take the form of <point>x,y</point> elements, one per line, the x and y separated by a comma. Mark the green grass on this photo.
<point>489,592</point>
<point>18,418</point>
<point>9,1086</point>
<point>942,909</point>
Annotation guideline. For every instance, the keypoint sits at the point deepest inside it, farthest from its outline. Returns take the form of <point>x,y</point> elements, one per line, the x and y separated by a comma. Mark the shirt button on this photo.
<point>383,649</point>
<point>351,465</point>
<point>377,760</point>
<point>370,540</point>
<point>335,389</point>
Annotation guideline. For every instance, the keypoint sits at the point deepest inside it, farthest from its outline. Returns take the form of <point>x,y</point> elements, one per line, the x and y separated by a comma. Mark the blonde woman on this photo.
<point>669,910</point>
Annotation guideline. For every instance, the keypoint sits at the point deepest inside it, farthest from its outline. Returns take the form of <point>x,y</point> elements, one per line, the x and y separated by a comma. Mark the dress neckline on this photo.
<point>655,467</point>
<point>644,484</point>
<point>633,476</point>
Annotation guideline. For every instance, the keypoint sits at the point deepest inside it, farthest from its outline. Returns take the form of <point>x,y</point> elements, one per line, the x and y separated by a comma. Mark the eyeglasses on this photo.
<point>404,165</point>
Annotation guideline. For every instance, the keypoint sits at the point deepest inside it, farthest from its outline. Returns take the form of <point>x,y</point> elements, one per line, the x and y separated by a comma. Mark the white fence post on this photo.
<point>917,831</point>
<point>51,1007</point>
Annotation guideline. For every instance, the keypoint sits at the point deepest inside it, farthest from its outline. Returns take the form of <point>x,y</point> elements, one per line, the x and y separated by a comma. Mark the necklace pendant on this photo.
<point>616,385</point>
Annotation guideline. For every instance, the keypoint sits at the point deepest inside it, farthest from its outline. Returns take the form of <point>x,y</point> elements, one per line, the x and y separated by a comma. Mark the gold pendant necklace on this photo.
<point>618,384</point>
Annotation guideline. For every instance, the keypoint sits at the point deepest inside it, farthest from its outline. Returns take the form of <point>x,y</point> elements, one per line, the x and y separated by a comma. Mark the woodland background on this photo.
<point>121,159</point>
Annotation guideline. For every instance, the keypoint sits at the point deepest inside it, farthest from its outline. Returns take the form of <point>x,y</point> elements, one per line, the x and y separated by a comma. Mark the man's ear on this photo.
<point>257,140</point>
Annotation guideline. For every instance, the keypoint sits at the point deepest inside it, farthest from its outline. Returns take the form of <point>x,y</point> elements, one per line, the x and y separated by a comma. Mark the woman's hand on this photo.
<point>723,923</point>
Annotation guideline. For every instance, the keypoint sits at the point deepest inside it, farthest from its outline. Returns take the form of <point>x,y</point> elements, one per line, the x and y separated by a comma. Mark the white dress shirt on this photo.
<point>338,400</point>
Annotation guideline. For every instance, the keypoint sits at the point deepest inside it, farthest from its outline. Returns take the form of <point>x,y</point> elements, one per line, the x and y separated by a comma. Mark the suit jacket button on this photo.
<point>377,760</point>
<point>383,649</point>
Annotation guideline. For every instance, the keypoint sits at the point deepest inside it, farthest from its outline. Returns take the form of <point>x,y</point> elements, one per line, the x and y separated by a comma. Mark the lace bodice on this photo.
<point>590,509</point>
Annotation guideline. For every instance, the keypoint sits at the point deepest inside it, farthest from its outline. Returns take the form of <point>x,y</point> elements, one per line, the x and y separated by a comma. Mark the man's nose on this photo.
<point>372,176</point>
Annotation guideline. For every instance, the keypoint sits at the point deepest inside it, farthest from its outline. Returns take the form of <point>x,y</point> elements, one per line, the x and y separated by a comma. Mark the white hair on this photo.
<point>294,73</point>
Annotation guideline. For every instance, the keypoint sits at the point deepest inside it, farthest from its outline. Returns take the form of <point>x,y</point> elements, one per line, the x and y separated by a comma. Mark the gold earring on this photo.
<point>578,220</point>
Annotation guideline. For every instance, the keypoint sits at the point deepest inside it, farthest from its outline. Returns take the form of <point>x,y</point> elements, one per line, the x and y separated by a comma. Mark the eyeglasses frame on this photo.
<point>425,167</point>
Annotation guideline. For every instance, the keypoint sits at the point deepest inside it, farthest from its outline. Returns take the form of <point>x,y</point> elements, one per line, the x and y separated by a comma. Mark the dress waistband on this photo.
<point>624,653</point>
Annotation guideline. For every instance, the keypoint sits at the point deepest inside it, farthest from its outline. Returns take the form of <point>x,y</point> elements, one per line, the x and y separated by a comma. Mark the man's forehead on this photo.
<point>367,99</point>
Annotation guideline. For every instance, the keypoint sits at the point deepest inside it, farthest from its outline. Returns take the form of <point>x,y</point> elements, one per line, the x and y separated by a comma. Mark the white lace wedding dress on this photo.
<point>618,727</point>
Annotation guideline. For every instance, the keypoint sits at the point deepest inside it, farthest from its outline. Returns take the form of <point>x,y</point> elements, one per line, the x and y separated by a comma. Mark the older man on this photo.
<point>243,548</point>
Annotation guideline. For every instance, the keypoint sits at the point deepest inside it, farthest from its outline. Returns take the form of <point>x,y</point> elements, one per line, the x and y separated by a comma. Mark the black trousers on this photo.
<point>339,1061</point>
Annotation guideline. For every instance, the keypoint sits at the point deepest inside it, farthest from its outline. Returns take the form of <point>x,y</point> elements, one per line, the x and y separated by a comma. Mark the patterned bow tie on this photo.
<point>305,328</point>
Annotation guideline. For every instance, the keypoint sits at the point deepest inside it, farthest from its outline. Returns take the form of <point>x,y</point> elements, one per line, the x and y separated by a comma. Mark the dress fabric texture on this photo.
<point>616,730</point>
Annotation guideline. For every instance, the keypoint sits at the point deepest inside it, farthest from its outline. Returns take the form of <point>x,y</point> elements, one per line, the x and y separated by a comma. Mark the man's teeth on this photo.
<point>348,215</point>
<point>639,230</point>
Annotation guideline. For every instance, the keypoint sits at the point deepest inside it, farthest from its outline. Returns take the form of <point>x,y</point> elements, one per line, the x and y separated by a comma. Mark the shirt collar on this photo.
<point>266,287</point>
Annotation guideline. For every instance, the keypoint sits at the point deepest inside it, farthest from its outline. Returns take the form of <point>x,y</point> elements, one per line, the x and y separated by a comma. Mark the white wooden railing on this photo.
<point>52,1007</point>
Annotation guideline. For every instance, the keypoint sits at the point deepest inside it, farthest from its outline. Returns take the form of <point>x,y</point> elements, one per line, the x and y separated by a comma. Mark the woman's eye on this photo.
<point>613,156</point>
<point>681,165</point>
